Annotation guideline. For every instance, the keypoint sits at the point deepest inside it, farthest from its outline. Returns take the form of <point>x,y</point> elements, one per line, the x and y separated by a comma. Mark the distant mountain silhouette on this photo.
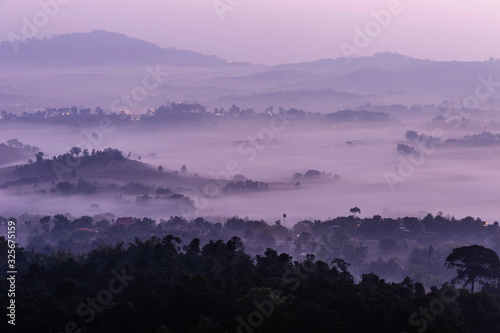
<point>392,71</point>
<point>434,76</point>
<point>338,80</point>
<point>386,60</point>
<point>390,62</point>
<point>96,48</point>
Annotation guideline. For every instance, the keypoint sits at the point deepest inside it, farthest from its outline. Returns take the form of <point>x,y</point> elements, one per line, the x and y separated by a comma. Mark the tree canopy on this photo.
<point>474,263</point>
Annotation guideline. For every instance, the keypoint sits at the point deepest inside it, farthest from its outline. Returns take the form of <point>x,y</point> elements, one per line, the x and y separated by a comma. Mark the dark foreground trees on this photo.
<point>158,285</point>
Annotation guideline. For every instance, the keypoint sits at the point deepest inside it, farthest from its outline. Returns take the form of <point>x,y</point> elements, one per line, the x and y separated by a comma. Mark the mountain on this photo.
<point>393,63</point>
<point>97,48</point>
<point>10,154</point>
<point>434,76</point>
<point>392,71</point>
<point>386,60</point>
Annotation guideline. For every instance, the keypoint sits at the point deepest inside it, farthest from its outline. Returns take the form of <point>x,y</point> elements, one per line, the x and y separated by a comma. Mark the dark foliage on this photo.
<point>157,285</point>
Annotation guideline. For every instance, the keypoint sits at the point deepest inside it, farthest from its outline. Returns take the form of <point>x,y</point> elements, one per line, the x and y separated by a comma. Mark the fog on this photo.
<point>238,163</point>
<point>456,180</point>
<point>344,120</point>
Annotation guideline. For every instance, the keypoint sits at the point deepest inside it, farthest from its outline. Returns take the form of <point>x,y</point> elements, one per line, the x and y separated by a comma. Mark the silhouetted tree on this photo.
<point>355,210</point>
<point>474,263</point>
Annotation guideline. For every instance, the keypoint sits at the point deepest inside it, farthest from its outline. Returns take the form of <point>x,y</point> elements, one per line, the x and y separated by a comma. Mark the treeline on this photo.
<point>89,188</point>
<point>160,285</point>
<point>483,139</point>
<point>392,248</point>
<point>416,142</point>
<point>188,112</point>
<point>66,163</point>
<point>15,143</point>
<point>244,185</point>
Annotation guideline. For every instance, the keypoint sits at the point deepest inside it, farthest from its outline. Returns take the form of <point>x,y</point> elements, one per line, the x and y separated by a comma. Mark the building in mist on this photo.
<point>124,221</point>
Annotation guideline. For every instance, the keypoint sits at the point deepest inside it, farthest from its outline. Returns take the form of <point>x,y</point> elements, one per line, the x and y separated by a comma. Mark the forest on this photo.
<point>178,275</point>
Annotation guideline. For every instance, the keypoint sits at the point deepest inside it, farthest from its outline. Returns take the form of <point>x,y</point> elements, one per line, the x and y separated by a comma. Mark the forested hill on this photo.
<point>97,48</point>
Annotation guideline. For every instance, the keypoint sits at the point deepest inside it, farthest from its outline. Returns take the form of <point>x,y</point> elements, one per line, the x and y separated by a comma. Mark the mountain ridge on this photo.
<point>101,47</point>
<point>96,48</point>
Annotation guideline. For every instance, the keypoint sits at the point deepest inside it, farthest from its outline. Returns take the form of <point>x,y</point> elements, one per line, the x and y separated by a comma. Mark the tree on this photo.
<point>355,210</point>
<point>193,249</point>
<point>312,174</point>
<point>39,157</point>
<point>61,223</point>
<point>234,110</point>
<point>99,111</point>
<point>411,136</point>
<point>84,222</point>
<point>85,111</point>
<point>76,151</point>
<point>45,221</point>
<point>160,168</point>
<point>473,263</point>
<point>65,187</point>
<point>102,225</point>
<point>407,150</point>
<point>183,169</point>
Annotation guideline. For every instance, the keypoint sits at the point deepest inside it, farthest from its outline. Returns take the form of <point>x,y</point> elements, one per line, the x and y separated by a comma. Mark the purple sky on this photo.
<point>277,31</point>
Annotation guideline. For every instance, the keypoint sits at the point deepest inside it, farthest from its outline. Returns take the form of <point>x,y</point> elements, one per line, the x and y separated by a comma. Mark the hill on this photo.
<point>385,60</point>
<point>11,154</point>
<point>97,48</point>
<point>104,167</point>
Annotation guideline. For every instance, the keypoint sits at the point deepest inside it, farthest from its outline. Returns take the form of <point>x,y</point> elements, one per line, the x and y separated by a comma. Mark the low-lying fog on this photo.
<point>459,181</point>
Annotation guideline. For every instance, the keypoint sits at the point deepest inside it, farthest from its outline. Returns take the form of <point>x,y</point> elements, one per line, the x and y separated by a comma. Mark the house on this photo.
<point>124,221</point>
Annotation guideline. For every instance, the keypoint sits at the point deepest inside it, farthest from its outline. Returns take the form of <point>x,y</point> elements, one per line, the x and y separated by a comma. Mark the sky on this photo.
<point>275,31</point>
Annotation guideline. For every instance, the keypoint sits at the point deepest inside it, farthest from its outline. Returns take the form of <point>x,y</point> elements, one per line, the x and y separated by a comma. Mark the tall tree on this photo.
<point>474,263</point>
<point>355,210</point>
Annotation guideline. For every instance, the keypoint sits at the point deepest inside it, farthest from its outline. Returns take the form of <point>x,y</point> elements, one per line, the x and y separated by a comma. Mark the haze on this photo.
<point>225,147</point>
<point>459,181</point>
<point>306,30</point>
